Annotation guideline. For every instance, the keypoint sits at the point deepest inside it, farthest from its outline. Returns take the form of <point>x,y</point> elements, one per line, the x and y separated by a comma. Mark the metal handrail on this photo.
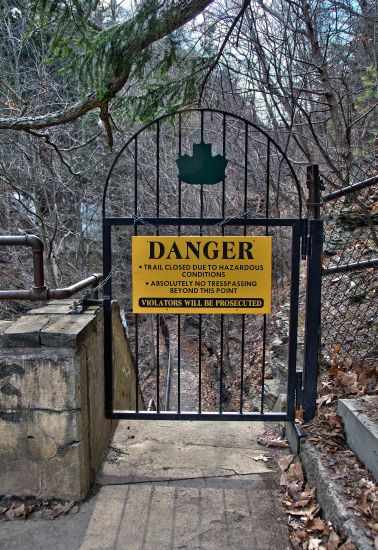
<point>40,291</point>
<point>350,189</point>
<point>36,244</point>
<point>344,268</point>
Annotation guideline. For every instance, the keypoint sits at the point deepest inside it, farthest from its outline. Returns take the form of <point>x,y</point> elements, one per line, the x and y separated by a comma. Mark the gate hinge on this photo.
<point>79,306</point>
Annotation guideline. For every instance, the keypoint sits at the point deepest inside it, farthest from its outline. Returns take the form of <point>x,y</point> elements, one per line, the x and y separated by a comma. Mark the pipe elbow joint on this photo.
<point>39,293</point>
<point>34,242</point>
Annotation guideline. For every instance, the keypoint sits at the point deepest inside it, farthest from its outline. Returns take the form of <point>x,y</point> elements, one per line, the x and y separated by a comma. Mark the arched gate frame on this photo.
<point>305,237</point>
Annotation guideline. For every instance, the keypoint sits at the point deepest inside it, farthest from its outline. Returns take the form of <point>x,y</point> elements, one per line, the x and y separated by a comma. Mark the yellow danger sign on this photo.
<point>192,274</point>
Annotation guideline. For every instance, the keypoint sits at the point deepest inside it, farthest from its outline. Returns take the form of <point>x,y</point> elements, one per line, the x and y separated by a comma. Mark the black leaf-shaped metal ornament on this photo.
<point>202,168</point>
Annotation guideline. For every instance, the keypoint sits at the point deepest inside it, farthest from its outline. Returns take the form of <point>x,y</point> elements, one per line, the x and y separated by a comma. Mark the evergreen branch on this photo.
<point>124,43</point>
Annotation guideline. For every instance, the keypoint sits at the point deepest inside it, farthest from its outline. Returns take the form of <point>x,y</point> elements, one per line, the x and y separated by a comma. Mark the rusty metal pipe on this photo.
<point>36,245</point>
<point>350,189</point>
<point>51,293</point>
<point>16,295</point>
<point>40,292</point>
<point>67,292</point>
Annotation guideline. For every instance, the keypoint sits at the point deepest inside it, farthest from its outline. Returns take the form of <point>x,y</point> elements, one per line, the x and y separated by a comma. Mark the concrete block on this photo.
<point>53,430</point>
<point>39,379</point>
<point>61,476</point>
<point>361,429</point>
<point>58,307</point>
<point>124,370</point>
<point>25,332</point>
<point>65,330</point>
<point>4,325</point>
<point>42,455</point>
<point>37,435</point>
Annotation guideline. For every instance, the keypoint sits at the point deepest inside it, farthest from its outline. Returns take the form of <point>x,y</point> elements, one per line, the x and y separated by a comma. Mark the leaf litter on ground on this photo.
<point>342,380</point>
<point>15,508</point>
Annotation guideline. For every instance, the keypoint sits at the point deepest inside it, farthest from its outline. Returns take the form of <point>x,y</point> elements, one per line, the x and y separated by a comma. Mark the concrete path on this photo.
<point>171,485</point>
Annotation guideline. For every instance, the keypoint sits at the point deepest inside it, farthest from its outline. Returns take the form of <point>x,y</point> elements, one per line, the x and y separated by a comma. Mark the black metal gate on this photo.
<point>228,357</point>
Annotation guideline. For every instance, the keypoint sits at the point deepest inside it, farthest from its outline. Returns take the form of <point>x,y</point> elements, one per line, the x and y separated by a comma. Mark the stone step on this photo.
<point>360,419</point>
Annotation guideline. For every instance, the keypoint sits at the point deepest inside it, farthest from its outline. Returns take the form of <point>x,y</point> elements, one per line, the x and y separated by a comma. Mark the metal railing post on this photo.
<point>314,191</point>
<point>313,295</point>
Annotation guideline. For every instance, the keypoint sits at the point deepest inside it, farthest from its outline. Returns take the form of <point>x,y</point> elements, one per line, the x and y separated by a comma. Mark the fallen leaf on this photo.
<point>313,544</point>
<point>348,380</point>
<point>334,420</point>
<point>365,505</point>
<point>333,541</point>
<point>61,509</point>
<point>347,546</point>
<point>301,534</point>
<point>294,488</point>
<point>20,511</point>
<point>262,458</point>
<point>317,524</point>
<point>302,502</point>
<point>334,477</point>
<point>308,512</point>
<point>324,400</point>
<point>283,479</point>
<point>295,472</point>
<point>273,442</point>
<point>285,461</point>
<point>295,541</point>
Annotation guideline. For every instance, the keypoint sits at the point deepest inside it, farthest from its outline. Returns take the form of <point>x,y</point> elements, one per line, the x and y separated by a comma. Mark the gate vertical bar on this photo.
<point>108,348</point>
<point>136,319</point>
<point>200,316</point>
<point>313,320</point>
<point>267,196</point>
<point>179,316</point>
<point>245,206</point>
<point>157,233</point>
<point>313,297</point>
<point>221,373</point>
<point>293,321</point>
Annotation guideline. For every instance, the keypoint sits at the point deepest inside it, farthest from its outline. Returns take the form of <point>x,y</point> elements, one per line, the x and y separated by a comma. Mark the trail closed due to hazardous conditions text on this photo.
<point>192,274</point>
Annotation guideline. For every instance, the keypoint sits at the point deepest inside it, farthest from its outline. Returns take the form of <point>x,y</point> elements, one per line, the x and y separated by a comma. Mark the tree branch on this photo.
<point>173,15</point>
<point>221,49</point>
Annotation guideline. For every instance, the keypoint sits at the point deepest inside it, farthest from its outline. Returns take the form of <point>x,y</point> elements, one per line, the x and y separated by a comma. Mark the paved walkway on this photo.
<point>166,486</point>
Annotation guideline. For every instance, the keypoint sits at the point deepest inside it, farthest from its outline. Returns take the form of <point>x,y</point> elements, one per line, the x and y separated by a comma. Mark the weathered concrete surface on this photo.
<point>177,450</point>
<point>123,368</point>
<point>361,430</point>
<point>53,430</point>
<point>230,503</point>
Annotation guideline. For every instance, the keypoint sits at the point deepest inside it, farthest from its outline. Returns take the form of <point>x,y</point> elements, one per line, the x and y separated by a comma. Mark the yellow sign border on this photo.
<point>192,274</point>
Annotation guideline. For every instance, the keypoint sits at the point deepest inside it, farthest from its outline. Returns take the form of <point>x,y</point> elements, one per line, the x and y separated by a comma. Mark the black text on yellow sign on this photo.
<point>192,274</point>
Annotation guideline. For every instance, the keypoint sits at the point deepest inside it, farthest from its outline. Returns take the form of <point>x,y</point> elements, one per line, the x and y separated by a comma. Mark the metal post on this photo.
<point>313,296</point>
<point>108,330</point>
<point>314,191</point>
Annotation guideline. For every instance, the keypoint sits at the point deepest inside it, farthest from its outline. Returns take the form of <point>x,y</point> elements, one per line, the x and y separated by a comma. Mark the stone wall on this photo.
<point>53,431</point>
